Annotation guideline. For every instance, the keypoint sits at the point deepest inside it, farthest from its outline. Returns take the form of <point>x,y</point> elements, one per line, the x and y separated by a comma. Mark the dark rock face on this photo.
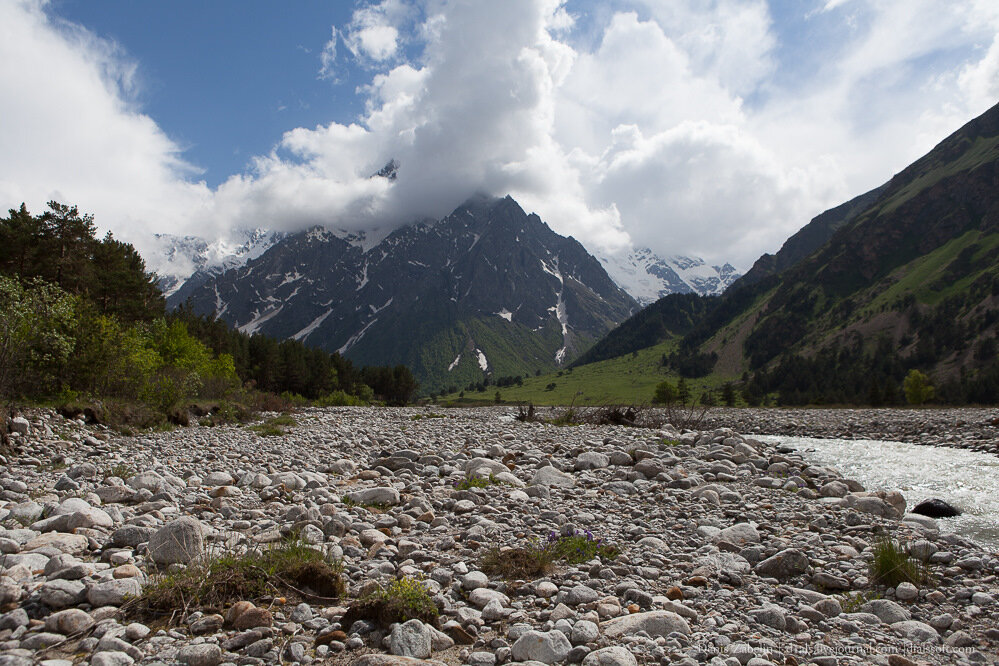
<point>935,508</point>
<point>488,289</point>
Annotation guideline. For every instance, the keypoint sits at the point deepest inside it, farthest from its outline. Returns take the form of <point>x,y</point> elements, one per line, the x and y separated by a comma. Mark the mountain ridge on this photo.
<point>486,291</point>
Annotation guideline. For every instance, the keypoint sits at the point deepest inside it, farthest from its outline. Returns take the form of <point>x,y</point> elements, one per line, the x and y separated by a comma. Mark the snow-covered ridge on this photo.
<point>647,277</point>
<point>176,258</point>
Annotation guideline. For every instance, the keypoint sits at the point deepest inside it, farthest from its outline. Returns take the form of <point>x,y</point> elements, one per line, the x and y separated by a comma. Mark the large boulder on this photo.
<point>548,647</point>
<point>936,508</point>
<point>786,563</point>
<point>411,639</point>
<point>654,623</point>
<point>385,495</point>
<point>177,542</point>
<point>549,476</point>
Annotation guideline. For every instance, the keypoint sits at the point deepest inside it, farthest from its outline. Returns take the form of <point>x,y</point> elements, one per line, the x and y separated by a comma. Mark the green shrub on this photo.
<point>340,399</point>
<point>217,580</point>
<point>403,599</point>
<point>580,547</point>
<point>892,565</point>
<point>917,387</point>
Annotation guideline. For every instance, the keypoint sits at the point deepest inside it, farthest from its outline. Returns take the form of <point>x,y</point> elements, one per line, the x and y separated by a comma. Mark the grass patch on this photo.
<point>404,599</point>
<point>475,482</point>
<point>275,427</point>
<point>851,603</point>
<point>539,558</point>
<point>892,565</point>
<point>290,567</point>
<point>121,470</point>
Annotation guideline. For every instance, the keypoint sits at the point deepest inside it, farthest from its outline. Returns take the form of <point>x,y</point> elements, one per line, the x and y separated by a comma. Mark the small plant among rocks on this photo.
<point>374,507</point>
<point>275,427</point>
<point>211,583</point>
<point>120,470</point>
<point>475,482</point>
<point>892,565</point>
<point>403,599</point>
<point>580,547</point>
<point>539,558</point>
<point>851,603</point>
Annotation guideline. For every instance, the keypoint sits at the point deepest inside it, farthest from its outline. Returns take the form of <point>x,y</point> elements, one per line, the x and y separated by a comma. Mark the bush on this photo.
<point>917,387</point>
<point>403,599</point>
<point>217,580</point>
<point>891,565</point>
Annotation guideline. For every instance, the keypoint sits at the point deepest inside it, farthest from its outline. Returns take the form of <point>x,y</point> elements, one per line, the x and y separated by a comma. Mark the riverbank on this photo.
<point>975,428</point>
<point>729,549</point>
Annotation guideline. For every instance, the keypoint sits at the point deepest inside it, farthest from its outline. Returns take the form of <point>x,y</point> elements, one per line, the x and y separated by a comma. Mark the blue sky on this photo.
<point>710,127</point>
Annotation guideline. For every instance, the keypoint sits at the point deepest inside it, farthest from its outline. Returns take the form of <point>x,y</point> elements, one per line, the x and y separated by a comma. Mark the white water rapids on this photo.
<point>967,480</point>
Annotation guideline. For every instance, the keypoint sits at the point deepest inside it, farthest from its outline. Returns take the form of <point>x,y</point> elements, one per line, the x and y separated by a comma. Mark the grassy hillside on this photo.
<point>627,379</point>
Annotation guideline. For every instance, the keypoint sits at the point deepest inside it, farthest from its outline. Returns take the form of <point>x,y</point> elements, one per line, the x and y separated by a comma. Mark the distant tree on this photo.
<point>917,388</point>
<point>665,393</point>
<point>498,398</point>
<point>682,391</point>
<point>728,394</point>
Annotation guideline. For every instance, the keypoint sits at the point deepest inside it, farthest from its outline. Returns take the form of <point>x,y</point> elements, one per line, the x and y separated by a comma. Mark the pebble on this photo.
<point>725,542</point>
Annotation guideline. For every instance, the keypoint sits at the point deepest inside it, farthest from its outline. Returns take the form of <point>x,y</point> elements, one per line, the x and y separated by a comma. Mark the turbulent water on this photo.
<point>967,480</point>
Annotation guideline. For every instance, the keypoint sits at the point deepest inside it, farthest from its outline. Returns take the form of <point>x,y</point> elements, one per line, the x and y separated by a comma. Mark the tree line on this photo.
<point>82,319</point>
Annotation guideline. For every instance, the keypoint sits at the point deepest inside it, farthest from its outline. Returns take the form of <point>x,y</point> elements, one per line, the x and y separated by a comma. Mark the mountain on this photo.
<point>648,277</point>
<point>178,259</point>
<point>809,238</point>
<point>909,279</point>
<point>488,290</point>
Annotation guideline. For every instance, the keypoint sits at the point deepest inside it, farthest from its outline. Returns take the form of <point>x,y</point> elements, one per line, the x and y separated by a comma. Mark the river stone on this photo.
<point>610,656</point>
<point>69,621</point>
<point>410,639</point>
<point>915,631</point>
<point>179,541</point>
<point>546,647</point>
<point>393,660</point>
<point>204,654</point>
<point>74,544</point>
<point>150,481</point>
<point>549,476</point>
<point>886,609</point>
<point>383,495</point>
<point>786,563</point>
<point>591,460</point>
<point>740,534</point>
<point>482,596</point>
<point>131,535</point>
<point>114,592</point>
<point>111,658</point>
<point>654,623</point>
<point>936,508</point>
<point>62,593</point>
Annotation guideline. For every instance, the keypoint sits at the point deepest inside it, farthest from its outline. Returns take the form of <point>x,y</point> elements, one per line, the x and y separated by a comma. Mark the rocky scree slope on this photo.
<point>731,550</point>
<point>487,290</point>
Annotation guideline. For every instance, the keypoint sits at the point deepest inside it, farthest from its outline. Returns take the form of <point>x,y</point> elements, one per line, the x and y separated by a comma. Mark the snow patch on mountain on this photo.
<point>648,277</point>
<point>505,314</point>
<point>483,361</point>
<point>176,258</point>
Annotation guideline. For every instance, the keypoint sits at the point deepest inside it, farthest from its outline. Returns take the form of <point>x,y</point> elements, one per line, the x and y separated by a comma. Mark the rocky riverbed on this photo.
<point>975,428</point>
<point>731,551</point>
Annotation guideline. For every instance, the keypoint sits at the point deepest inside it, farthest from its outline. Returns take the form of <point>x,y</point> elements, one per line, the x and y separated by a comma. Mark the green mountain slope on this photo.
<point>914,277</point>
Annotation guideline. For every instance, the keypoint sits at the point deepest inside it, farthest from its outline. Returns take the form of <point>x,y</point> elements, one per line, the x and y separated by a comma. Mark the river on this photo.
<point>968,480</point>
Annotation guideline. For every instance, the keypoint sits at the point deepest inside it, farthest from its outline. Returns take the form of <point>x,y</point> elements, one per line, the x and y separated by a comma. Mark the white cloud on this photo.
<point>677,128</point>
<point>71,132</point>
<point>327,58</point>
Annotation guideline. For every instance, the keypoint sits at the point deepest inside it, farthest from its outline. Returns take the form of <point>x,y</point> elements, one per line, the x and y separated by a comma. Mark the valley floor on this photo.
<point>731,550</point>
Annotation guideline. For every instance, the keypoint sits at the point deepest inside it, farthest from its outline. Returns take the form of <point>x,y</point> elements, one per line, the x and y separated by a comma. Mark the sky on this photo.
<point>714,128</point>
